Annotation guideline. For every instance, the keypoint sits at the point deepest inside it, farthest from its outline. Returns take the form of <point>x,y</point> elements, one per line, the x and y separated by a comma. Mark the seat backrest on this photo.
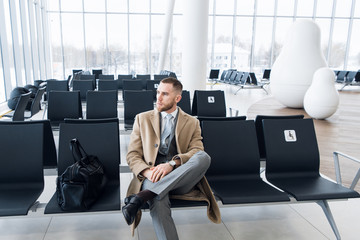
<point>357,77</point>
<point>56,85</point>
<point>185,103</point>
<point>232,148</point>
<point>105,84</point>
<point>101,104</point>
<point>245,78</point>
<point>233,76</point>
<point>223,74</point>
<point>159,76</point>
<point>121,78</point>
<point>291,148</point>
<point>350,76</point>
<point>136,102</point>
<point>89,77</point>
<point>143,76</point>
<point>238,77</point>
<point>21,106</point>
<point>63,105</point>
<point>135,85</point>
<point>97,73</point>
<point>108,77</point>
<point>253,78</point>
<point>21,146</point>
<point>214,74</point>
<point>152,85</point>
<point>83,86</point>
<point>220,119</point>
<point>97,138</point>
<point>35,105</point>
<point>260,131</point>
<point>266,74</point>
<point>209,103</point>
<point>341,76</point>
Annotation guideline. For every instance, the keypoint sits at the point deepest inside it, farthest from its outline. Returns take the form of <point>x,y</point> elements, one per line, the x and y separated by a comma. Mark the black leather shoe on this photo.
<point>133,205</point>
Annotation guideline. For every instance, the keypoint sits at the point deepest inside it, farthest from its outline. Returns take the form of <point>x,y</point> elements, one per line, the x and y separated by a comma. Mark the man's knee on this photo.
<point>203,159</point>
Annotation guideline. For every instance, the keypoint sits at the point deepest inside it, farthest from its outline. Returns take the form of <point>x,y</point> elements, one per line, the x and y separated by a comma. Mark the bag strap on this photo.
<point>77,150</point>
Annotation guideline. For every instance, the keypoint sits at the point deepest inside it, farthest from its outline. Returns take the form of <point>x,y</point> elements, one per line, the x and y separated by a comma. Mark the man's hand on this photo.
<point>157,173</point>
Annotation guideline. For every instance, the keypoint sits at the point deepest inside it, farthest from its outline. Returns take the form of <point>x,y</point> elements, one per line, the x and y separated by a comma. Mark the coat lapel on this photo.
<point>182,119</point>
<point>155,122</point>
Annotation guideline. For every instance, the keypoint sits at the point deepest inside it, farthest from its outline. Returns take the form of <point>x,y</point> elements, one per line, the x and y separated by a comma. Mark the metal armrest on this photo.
<point>337,168</point>
<point>231,112</point>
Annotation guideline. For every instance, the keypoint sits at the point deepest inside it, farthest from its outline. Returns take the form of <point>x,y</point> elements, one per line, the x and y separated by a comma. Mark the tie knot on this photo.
<point>168,116</point>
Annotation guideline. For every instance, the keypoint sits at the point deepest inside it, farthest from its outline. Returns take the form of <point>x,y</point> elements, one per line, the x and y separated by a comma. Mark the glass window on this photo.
<point>263,36</point>
<point>225,7</point>
<point>343,8</point>
<point>117,44</point>
<point>324,8</point>
<point>94,5</point>
<point>265,7</point>
<point>285,7</point>
<point>139,44</point>
<point>73,40</point>
<point>243,38</point>
<point>95,36</point>
<point>324,25</point>
<point>305,8</point>
<point>176,46</point>
<point>357,9</point>
<point>159,6</point>
<point>117,6</point>
<point>282,28</point>
<point>223,39</point>
<point>139,6</point>
<point>245,7</point>
<point>55,39</point>
<point>71,5</point>
<point>52,5</point>
<point>354,51</point>
<point>10,43</point>
<point>157,28</point>
<point>2,81</point>
<point>338,48</point>
<point>19,47</point>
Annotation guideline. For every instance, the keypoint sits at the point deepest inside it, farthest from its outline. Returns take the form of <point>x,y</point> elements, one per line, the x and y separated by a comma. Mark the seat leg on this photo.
<point>241,87</point>
<point>326,208</point>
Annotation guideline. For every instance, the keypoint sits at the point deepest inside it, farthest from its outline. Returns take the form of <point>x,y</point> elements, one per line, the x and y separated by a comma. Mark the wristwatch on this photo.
<point>172,163</point>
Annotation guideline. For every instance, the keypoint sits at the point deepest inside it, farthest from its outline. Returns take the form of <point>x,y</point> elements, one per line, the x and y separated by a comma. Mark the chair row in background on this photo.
<point>240,169</point>
<point>103,104</point>
<point>347,78</point>
<point>240,79</point>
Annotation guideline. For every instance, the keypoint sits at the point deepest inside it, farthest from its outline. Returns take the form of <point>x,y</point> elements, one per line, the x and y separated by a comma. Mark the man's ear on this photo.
<point>178,98</point>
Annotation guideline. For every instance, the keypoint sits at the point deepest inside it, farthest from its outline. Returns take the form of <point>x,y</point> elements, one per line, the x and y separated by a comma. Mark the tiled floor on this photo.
<point>285,221</point>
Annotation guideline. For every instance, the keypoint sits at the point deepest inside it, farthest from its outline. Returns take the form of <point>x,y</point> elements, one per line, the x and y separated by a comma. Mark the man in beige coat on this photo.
<point>167,158</point>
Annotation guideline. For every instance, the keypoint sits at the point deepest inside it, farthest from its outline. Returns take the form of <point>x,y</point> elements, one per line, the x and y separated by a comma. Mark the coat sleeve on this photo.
<point>135,155</point>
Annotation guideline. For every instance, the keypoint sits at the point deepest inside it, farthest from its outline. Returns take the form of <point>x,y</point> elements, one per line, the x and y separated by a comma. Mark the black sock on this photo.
<point>146,195</point>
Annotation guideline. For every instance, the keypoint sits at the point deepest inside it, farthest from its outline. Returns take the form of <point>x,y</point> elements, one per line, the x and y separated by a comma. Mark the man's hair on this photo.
<point>177,85</point>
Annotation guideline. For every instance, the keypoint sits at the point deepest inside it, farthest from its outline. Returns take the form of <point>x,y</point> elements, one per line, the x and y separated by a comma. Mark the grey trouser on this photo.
<point>179,181</point>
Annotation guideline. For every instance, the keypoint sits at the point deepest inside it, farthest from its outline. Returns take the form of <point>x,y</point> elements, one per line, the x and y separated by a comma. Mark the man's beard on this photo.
<point>167,107</point>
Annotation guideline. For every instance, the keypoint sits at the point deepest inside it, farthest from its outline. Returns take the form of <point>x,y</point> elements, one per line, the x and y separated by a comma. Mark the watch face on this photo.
<point>172,163</point>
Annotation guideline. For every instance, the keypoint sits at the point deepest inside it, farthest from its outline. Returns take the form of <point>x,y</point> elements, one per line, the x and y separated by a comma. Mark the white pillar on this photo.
<point>166,34</point>
<point>194,55</point>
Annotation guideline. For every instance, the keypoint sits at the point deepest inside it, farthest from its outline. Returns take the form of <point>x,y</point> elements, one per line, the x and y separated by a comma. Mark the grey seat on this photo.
<point>63,105</point>
<point>101,104</point>
<point>234,171</point>
<point>35,105</point>
<point>19,112</point>
<point>121,78</point>
<point>21,172</point>
<point>83,86</point>
<point>209,103</point>
<point>92,134</point>
<point>136,102</point>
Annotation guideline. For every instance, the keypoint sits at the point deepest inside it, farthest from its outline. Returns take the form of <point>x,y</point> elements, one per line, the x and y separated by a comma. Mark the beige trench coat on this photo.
<point>143,149</point>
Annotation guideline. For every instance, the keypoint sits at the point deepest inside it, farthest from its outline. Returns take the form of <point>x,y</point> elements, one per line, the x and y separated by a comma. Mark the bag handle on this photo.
<point>77,150</point>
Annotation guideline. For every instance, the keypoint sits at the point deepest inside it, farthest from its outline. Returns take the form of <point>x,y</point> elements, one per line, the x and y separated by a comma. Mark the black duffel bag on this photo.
<point>82,183</point>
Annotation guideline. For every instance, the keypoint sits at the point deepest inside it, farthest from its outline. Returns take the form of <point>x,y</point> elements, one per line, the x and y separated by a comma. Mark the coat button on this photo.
<point>156,145</point>
<point>150,163</point>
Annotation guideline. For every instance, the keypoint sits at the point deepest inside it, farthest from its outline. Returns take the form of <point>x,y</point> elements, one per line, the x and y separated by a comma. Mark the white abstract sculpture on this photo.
<point>322,99</point>
<point>300,57</point>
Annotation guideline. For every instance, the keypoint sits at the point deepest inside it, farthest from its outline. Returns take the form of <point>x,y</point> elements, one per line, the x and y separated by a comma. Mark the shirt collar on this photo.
<point>174,113</point>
